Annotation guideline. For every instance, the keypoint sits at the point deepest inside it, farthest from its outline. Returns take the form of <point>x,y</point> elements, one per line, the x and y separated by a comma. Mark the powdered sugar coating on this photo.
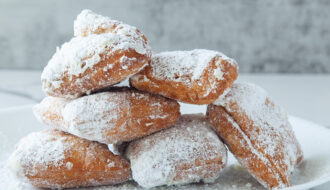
<point>53,159</point>
<point>186,66</point>
<point>114,148</point>
<point>265,126</point>
<point>37,150</point>
<point>118,149</point>
<point>250,97</point>
<point>188,152</point>
<point>97,117</point>
<point>258,155</point>
<point>81,53</point>
<point>90,117</point>
<point>197,77</point>
<point>49,111</point>
<point>89,48</point>
<point>88,23</point>
<point>116,116</point>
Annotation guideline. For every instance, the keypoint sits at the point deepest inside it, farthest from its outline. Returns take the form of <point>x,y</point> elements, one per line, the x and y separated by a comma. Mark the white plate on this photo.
<point>315,141</point>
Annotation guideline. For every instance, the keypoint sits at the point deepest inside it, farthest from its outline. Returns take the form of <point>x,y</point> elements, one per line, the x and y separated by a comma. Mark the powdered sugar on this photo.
<point>185,66</point>
<point>89,48</point>
<point>156,159</point>
<point>89,117</point>
<point>314,170</point>
<point>273,135</point>
<point>37,150</point>
<point>258,155</point>
<point>218,73</point>
<point>248,96</point>
<point>54,159</point>
<point>69,165</point>
<point>109,117</point>
<point>88,23</point>
<point>81,53</point>
<point>198,76</point>
<point>50,107</point>
<point>114,148</point>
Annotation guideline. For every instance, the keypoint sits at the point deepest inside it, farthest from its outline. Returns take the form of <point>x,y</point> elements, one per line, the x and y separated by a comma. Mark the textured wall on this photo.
<point>262,35</point>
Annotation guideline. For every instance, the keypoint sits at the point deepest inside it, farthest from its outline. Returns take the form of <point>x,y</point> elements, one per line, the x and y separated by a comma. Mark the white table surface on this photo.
<point>305,96</point>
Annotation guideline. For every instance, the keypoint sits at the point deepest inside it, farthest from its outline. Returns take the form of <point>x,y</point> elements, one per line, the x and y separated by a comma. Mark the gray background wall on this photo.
<point>262,35</point>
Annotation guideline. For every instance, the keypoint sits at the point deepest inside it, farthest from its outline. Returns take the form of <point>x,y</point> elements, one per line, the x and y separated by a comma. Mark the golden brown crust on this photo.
<point>200,91</point>
<point>121,114</point>
<point>83,163</point>
<point>264,143</point>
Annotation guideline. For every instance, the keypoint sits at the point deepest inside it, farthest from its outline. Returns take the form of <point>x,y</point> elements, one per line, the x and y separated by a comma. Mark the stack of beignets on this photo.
<point>83,104</point>
<point>104,135</point>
